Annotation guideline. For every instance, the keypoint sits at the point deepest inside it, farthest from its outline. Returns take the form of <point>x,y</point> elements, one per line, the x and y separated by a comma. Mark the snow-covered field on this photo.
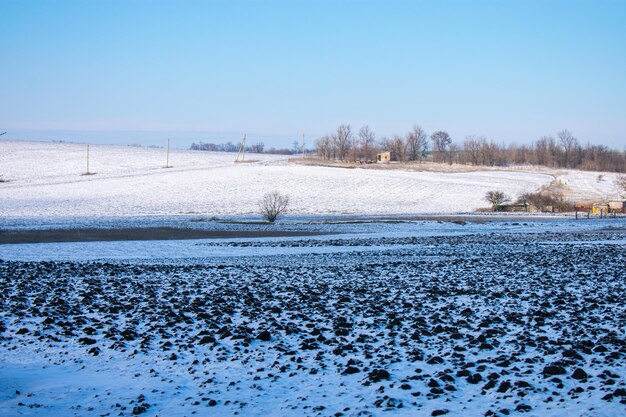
<point>403,319</point>
<point>44,179</point>
<point>382,315</point>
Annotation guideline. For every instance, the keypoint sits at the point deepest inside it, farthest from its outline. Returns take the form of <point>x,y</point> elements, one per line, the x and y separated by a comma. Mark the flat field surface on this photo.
<point>402,318</point>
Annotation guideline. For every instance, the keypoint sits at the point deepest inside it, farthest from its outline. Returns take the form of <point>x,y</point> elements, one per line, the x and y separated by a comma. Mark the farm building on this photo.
<point>600,208</point>
<point>525,207</point>
<point>617,206</point>
<point>383,157</point>
<point>584,207</point>
<point>612,206</point>
<point>513,207</point>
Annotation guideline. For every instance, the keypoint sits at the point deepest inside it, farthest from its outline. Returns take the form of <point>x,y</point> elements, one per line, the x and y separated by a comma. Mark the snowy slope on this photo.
<point>590,186</point>
<point>45,180</point>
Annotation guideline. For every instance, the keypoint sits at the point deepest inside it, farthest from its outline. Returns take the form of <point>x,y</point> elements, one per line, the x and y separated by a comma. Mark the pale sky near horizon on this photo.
<point>137,71</point>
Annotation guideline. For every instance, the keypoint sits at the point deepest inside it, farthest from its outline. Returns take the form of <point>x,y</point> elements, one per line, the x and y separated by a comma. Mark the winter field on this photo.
<point>381,313</point>
<point>406,318</point>
<point>44,179</point>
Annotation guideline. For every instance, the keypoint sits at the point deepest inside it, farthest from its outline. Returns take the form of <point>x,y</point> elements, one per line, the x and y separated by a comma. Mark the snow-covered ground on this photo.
<point>382,315</point>
<point>590,186</point>
<point>400,319</point>
<point>44,179</point>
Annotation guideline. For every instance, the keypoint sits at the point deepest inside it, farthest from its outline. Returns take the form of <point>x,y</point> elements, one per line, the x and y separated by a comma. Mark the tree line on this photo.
<point>561,151</point>
<point>258,147</point>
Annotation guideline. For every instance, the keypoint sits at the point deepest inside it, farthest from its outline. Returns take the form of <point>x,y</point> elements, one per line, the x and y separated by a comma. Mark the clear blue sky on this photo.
<point>142,70</point>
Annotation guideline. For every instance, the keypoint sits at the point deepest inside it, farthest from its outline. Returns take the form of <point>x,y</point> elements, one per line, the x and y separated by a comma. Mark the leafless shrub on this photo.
<point>496,198</point>
<point>273,205</point>
<point>544,199</point>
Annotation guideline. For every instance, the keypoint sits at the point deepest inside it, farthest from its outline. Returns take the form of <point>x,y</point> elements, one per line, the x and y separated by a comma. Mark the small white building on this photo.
<point>383,157</point>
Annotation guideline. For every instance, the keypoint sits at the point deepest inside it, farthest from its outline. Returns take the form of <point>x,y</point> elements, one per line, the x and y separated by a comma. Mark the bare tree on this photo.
<point>323,147</point>
<point>441,144</point>
<point>257,147</point>
<point>545,151</point>
<point>416,144</point>
<point>496,198</point>
<point>471,150</point>
<point>342,140</point>
<point>354,149</point>
<point>273,205</point>
<point>296,147</point>
<point>452,156</point>
<point>367,141</point>
<point>490,152</point>
<point>569,144</point>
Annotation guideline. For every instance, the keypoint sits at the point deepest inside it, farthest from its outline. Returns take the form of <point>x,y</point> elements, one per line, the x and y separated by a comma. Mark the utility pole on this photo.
<point>87,172</point>
<point>167,154</point>
<point>303,154</point>
<point>242,150</point>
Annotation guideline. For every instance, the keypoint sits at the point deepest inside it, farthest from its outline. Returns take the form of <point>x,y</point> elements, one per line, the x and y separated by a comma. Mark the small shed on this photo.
<point>617,206</point>
<point>383,157</point>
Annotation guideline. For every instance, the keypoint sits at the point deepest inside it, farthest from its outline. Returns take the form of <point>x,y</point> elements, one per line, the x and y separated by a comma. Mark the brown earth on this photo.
<point>152,233</point>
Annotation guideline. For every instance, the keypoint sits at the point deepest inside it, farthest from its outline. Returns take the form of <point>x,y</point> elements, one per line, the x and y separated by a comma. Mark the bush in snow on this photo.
<point>496,198</point>
<point>273,205</point>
